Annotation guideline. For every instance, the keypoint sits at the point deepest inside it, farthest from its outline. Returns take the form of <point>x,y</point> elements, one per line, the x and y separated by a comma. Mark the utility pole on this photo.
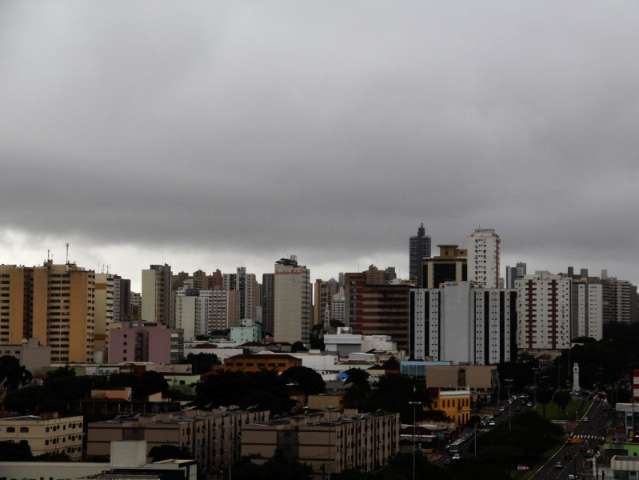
<point>508,385</point>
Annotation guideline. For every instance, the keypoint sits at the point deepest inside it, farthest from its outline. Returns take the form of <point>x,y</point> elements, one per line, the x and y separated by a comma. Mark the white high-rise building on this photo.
<point>458,322</point>
<point>483,257</point>
<point>544,311</point>
<point>192,311</point>
<point>338,305</point>
<point>292,301</point>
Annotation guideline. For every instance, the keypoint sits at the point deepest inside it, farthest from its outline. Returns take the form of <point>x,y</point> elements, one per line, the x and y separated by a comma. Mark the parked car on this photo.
<point>559,465</point>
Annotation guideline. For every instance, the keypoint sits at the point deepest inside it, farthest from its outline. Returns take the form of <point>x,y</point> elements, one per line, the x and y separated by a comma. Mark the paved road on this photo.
<point>573,457</point>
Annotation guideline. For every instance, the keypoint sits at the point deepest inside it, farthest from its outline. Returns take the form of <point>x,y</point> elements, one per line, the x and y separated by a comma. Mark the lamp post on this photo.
<point>509,382</point>
<point>414,405</point>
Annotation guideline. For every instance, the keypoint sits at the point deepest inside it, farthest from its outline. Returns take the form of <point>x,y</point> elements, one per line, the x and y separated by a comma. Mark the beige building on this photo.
<point>54,304</point>
<point>481,380</point>
<point>45,435</point>
<point>329,443</point>
<point>31,354</point>
<point>157,295</point>
<point>292,301</point>
<point>107,308</point>
<point>212,437</point>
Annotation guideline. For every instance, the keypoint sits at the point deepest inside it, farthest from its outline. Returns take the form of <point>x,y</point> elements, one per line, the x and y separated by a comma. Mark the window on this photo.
<point>11,429</point>
<point>24,429</point>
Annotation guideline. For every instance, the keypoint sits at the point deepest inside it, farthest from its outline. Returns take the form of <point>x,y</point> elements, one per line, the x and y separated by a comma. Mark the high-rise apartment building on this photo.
<point>54,304</point>
<point>219,309</point>
<point>518,272</point>
<point>140,342</point>
<point>246,294</point>
<point>587,305</point>
<point>619,299</point>
<point>324,291</point>
<point>449,266</point>
<point>292,301</point>
<point>338,307</point>
<point>268,288</point>
<point>544,311</point>
<point>483,258</point>
<point>157,295</point>
<point>107,309</point>
<point>193,311</point>
<point>462,323</point>
<point>418,249</point>
<point>375,307</point>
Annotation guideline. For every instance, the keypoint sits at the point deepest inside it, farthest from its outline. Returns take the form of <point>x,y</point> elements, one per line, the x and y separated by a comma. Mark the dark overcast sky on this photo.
<point>232,133</point>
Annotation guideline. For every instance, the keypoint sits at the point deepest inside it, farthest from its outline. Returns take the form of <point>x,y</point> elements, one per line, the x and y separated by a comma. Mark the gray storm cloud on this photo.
<point>326,128</point>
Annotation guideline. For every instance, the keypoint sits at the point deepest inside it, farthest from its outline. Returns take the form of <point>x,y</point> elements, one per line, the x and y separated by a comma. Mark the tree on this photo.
<point>308,380</point>
<point>202,362</point>
<point>263,389</point>
<point>359,389</point>
<point>280,466</point>
<point>393,394</point>
<point>298,347</point>
<point>562,399</point>
<point>15,451</point>
<point>166,452</point>
<point>317,337</point>
<point>544,396</point>
<point>12,373</point>
<point>143,385</point>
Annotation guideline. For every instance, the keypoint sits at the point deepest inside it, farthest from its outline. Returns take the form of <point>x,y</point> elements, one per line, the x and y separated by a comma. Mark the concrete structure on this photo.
<point>212,437</point>
<point>45,435</point>
<point>544,311</point>
<point>127,461</point>
<point>575,378</point>
<point>518,272</point>
<point>140,342</point>
<point>268,287</point>
<point>449,266</point>
<point>460,323</point>
<point>481,380</point>
<point>31,354</point>
<point>587,310</point>
<point>338,307</point>
<point>123,393</point>
<point>248,331</point>
<point>53,304</point>
<point>195,310</point>
<point>157,295</point>
<point>620,299</point>
<point>292,301</point>
<point>107,309</point>
<point>329,442</point>
<point>418,249</point>
<point>323,294</point>
<point>247,291</point>
<point>376,307</point>
<point>344,342</point>
<point>251,363</point>
<point>483,258</point>
<point>219,309</point>
<point>455,404</point>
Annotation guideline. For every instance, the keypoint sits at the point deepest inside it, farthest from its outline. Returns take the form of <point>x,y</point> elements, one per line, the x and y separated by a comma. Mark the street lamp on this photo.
<point>509,382</point>
<point>414,405</point>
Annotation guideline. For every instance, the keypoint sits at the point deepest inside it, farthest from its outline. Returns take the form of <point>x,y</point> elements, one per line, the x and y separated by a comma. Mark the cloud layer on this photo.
<point>249,129</point>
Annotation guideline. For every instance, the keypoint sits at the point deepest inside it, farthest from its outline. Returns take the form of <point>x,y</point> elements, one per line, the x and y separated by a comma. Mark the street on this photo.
<point>572,457</point>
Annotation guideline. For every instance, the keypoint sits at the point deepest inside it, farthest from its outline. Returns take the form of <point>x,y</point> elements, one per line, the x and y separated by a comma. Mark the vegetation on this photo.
<point>308,380</point>
<point>202,362</point>
<point>15,451</point>
<point>12,373</point>
<point>166,452</point>
<point>264,389</point>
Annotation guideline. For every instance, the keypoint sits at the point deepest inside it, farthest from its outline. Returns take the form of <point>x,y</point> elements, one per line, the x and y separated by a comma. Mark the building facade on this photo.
<point>330,443</point>
<point>323,293</point>
<point>157,295</point>
<point>518,272</point>
<point>449,266</point>
<point>253,363</point>
<point>292,301</point>
<point>484,247</point>
<point>268,297</point>
<point>63,435</point>
<point>140,342</point>
<point>544,311</point>
<point>418,249</point>
<point>212,437</point>
<point>462,323</point>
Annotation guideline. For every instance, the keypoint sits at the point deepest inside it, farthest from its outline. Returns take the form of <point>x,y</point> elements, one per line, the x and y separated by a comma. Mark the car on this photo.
<point>492,423</point>
<point>502,409</point>
<point>456,457</point>
<point>573,476</point>
<point>585,419</point>
<point>530,404</point>
<point>558,465</point>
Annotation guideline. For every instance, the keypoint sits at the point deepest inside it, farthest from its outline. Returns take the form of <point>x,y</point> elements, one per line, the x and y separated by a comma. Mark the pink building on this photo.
<point>140,342</point>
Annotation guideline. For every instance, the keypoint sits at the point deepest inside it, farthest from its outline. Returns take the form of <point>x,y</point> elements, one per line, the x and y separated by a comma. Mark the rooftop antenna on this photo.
<point>48,255</point>
<point>67,245</point>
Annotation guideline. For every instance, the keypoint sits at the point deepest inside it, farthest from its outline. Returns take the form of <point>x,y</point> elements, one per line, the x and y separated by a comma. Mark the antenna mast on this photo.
<point>67,245</point>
